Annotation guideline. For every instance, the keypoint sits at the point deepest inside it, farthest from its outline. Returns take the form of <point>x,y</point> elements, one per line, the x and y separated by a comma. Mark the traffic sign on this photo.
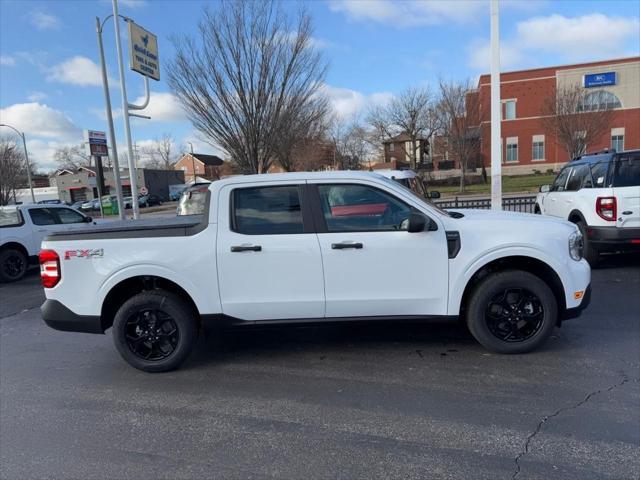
<point>144,190</point>
<point>143,51</point>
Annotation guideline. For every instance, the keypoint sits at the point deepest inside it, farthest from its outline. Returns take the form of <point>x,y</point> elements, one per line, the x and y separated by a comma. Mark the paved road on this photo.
<point>401,401</point>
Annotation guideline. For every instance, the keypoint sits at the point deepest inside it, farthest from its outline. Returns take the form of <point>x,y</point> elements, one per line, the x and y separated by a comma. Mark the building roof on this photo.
<point>211,160</point>
<point>403,137</point>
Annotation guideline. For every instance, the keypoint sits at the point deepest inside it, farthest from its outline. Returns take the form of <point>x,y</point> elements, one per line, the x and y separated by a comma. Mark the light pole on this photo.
<point>193,162</point>
<point>26,157</point>
<point>496,135</point>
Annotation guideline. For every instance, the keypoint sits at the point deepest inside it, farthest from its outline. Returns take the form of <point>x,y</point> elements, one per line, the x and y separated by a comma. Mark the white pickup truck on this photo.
<point>312,247</point>
<point>22,229</point>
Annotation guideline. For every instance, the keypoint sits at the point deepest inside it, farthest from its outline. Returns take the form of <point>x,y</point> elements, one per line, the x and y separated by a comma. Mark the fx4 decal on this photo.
<point>84,253</point>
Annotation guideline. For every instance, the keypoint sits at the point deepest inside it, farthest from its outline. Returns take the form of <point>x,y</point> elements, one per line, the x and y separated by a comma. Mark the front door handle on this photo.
<point>343,245</point>
<point>246,248</point>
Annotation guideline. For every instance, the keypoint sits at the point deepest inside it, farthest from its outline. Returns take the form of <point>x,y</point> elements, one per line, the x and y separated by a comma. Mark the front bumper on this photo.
<point>59,317</point>
<point>575,312</point>
<point>614,237</point>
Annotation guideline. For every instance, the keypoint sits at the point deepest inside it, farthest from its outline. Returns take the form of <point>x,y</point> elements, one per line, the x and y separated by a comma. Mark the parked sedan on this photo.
<point>149,200</point>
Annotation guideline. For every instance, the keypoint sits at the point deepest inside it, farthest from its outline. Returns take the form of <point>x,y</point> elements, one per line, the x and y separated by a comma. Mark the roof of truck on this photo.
<point>297,176</point>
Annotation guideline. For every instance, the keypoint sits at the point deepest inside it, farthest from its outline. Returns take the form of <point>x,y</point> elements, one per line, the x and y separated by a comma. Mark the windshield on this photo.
<point>193,202</point>
<point>422,198</point>
<point>626,172</point>
<point>10,217</point>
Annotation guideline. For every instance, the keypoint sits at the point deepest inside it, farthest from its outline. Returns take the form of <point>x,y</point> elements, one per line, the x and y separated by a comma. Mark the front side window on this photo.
<point>42,216</point>
<point>66,215</point>
<point>599,171</point>
<point>353,208</point>
<point>267,210</point>
<point>577,177</point>
<point>561,180</point>
<point>10,217</point>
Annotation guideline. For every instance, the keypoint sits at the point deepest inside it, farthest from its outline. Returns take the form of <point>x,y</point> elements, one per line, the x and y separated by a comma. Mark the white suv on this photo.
<point>600,193</point>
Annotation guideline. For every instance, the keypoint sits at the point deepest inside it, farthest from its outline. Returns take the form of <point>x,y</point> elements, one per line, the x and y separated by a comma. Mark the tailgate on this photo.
<point>626,188</point>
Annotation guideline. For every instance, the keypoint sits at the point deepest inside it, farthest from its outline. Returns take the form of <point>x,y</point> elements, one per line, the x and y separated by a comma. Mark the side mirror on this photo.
<point>545,188</point>
<point>88,219</point>
<point>434,194</point>
<point>418,223</point>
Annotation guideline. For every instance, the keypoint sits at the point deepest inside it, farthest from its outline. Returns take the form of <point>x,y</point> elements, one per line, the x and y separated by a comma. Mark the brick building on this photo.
<point>525,144</point>
<point>195,165</point>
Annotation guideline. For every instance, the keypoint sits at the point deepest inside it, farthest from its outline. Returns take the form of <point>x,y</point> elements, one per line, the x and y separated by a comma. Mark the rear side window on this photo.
<point>626,170</point>
<point>193,201</point>
<point>10,217</point>
<point>42,216</point>
<point>267,211</point>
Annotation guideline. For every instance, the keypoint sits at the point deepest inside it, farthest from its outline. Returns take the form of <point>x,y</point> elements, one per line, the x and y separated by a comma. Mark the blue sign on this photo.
<point>599,79</point>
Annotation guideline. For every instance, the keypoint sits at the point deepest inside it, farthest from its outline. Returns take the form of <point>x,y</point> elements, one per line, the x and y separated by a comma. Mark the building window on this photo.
<point>537,151</point>
<point>512,149</point>
<point>509,110</point>
<point>600,100</point>
<point>617,139</point>
<point>392,147</point>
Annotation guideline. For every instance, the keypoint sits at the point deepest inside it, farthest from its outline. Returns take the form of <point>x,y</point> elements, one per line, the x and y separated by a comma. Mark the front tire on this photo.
<point>13,265</point>
<point>512,312</point>
<point>155,331</point>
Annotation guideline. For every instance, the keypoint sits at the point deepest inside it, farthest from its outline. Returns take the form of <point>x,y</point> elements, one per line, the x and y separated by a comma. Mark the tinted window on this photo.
<point>267,211</point>
<point>626,171</point>
<point>66,215</point>
<point>349,208</point>
<point>577,177</point>
<point>42,216</point>
<point>560,181</point>
<point>599,173</point>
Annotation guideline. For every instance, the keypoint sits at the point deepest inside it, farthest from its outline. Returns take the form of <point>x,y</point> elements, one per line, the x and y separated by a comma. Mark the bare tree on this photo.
<point>351,143</point>
<point>413,113</point>
<point>249,72</point>
<point>71,157</point>
<point>576,117</point>
<point>12,169</point>
<point>459,115</point>
<point>161,154</point>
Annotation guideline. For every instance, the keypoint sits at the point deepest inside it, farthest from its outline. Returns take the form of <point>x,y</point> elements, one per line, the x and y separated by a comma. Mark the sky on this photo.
<point>51,88</point>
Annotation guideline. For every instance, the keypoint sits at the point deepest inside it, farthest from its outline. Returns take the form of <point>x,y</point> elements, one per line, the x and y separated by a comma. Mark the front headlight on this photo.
<point>575,245</point>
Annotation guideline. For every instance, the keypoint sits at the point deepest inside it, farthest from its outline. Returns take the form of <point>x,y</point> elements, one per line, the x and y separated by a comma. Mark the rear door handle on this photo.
<point>343,245</point>
<point>246,248</point>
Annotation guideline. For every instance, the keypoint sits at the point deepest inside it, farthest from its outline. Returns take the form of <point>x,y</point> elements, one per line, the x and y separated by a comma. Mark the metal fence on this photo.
<point>524,204</point>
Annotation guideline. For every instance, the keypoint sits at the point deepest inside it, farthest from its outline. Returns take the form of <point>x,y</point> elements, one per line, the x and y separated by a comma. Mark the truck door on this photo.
<point>372,266</point>
<point>626,188</point>
<point>553,201</point>
<point>269,263</point>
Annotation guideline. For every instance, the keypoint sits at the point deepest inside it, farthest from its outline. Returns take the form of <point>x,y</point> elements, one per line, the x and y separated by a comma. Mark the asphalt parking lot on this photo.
<point>360,401</point>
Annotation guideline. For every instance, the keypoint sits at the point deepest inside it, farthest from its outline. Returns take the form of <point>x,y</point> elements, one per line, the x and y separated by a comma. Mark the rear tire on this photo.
<point>512,312</point>
<point>155,331</point>
<point>589,252</point>
<point>13,265</point>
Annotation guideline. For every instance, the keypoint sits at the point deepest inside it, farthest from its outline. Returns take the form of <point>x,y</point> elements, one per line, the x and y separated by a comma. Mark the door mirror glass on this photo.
<point>545,188</point>
<point>434,194</point>
<point>88,219</point>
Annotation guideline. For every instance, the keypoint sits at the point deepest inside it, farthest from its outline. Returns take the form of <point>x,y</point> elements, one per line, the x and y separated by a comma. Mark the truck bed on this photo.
<point>181,226</point>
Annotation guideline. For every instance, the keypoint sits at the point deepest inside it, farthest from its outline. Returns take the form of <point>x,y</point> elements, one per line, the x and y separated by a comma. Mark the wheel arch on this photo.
<point>16,246</point>
<point>525,263</point>
<point>576,216</point>
<point>127,288</point>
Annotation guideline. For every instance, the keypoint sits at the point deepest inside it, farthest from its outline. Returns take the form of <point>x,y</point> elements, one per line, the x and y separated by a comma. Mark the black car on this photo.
<point>149,200</point>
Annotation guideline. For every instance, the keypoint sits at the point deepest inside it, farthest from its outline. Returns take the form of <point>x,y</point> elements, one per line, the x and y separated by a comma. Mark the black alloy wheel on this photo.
<point>13,265</point>
<point>151,335</point>
<point>514,315</point>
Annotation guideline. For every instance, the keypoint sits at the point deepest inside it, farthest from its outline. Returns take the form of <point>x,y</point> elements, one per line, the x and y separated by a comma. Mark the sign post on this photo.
<point>97,143</point>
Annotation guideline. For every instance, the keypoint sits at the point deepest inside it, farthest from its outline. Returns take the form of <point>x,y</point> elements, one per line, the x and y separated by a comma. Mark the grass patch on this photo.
<point>510,184</point>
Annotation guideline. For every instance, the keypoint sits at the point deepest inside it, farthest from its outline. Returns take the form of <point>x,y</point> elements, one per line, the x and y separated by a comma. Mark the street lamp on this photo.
<point>26,157</point>
<point>193,163</point>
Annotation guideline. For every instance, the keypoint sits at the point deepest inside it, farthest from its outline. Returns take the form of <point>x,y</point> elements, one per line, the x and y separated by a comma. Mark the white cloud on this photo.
<point>40,120</point>
<point>129,3</point>
<point>572,39</point>
<point>7,61</point>
<point>44,21</point>
<point>346,102</point>
<point>410,13</point>
<point>77,70</point>
<point>163,107</point>
<point>36,96</point>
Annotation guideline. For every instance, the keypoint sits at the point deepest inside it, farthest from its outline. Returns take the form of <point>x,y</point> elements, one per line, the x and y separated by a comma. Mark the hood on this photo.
<point>506,216</point>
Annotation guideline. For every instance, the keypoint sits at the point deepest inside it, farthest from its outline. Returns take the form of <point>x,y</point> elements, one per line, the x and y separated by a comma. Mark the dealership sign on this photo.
<point>97,142</point>
<point>599,79</point>
<point>143,51</point>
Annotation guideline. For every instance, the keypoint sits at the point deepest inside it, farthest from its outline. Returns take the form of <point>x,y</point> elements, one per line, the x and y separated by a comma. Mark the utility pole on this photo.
<point>496,110</point>
<point>26,158</point>
<point>193,162</point>
<point>133,174</point>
